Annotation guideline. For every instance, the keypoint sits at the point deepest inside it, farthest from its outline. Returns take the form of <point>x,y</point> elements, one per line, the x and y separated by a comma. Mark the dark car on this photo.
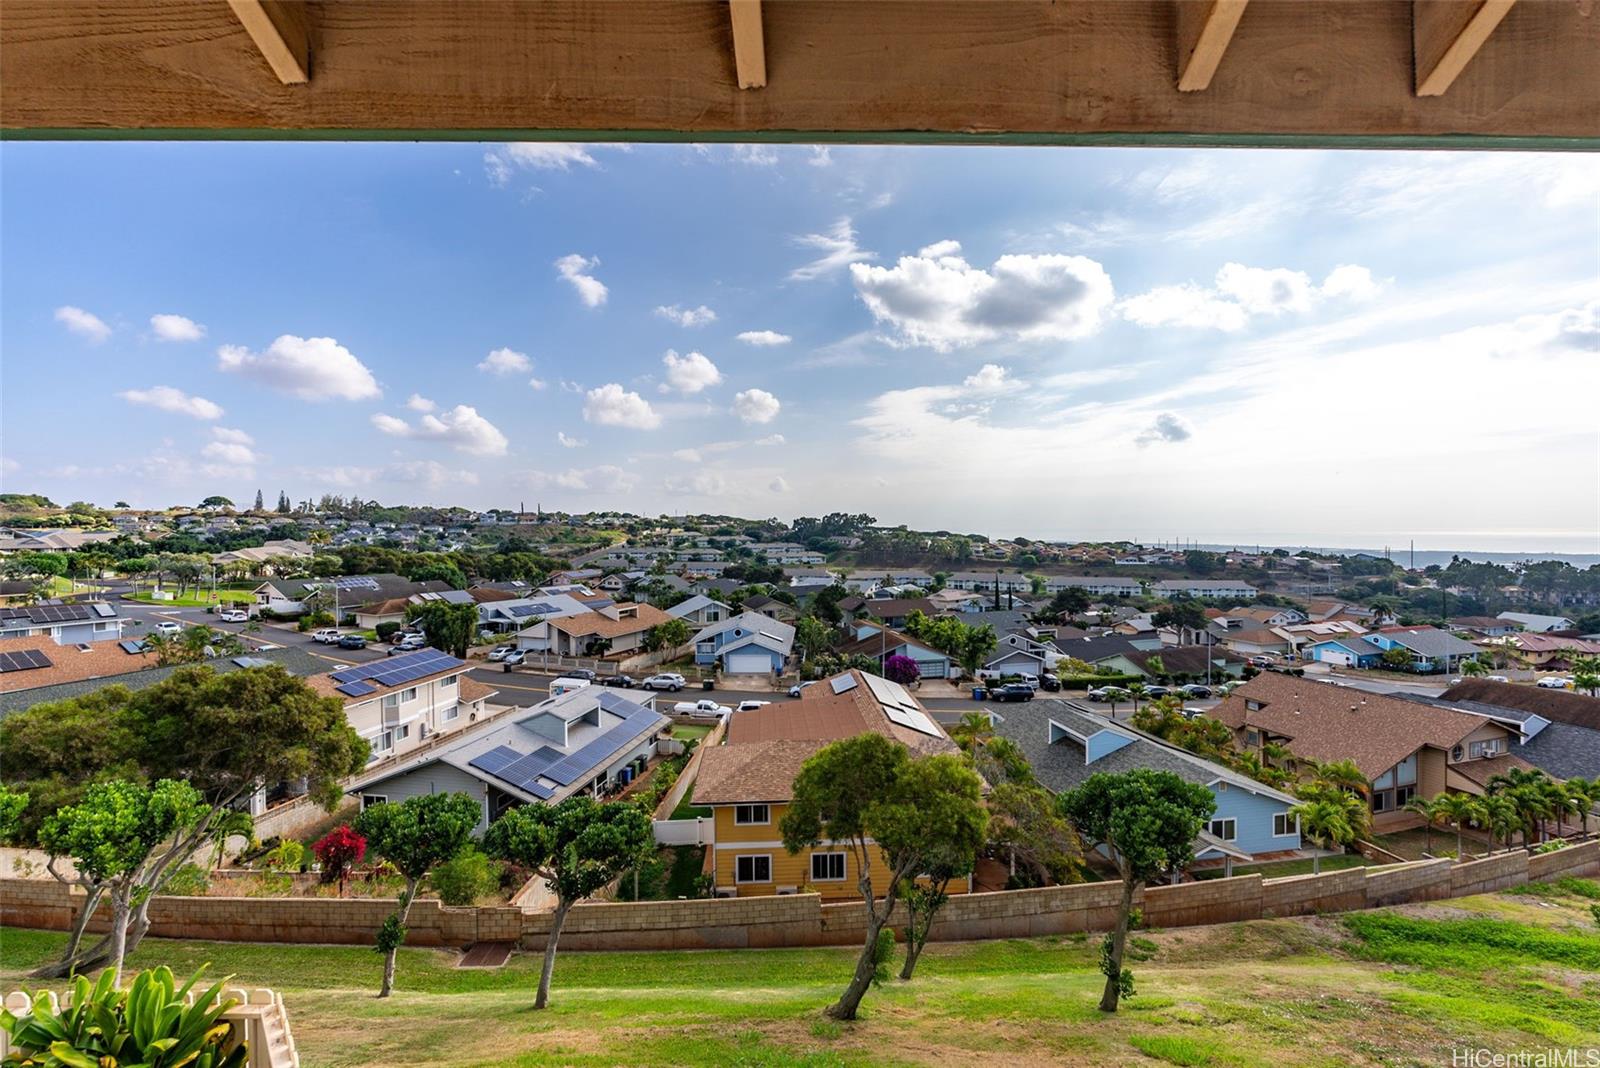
<point>1156,691</point>
<point>352,641</point>
<point>1012,691</point>
<point>580,673</point>
<point>1196,690</point>
<point>616,680</point>
<point>1049,681</point>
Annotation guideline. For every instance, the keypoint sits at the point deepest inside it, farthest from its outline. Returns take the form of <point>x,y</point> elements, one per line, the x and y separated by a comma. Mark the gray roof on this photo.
<point>694,604</point>
<point>1093,649</point>
<point>1431,643</point>
<point>1563,750</point>
<point>1060,765</point>
<point>1003,621</point>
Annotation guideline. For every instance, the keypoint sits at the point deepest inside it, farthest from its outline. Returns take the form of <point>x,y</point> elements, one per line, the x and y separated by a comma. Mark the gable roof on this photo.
<point>753,623</point>
<point>1429,641</point>
<point>1558,706</point>
<point>586,623</point>
<point>694,604</point>
<point>1184,659</point>
<point>1091,650</point>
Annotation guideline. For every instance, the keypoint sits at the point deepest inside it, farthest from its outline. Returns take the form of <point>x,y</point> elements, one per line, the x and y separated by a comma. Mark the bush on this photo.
<point>465,879</point>
<point>188,880</point>
<point>287,856</point>
<point>314,620</point>
<point>386,631</point>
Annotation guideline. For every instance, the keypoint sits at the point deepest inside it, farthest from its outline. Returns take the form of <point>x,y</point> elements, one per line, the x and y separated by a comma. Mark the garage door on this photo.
<point>749,663</point>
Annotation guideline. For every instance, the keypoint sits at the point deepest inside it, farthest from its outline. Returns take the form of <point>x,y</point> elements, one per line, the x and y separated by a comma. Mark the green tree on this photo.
<point>416,836</point>
<point>1025,823</point>
<point>1330,816</point>
<point>577,847</point>
<point>1397,658</point>
<point>216,501</point>
<point>1431,815</point>
<point>668,634</point>
<point>450,627</point>
<point>1457,809</point>
<point>812,637</point>
<point>1147,821</point>
<point>1474,667</point>
<point>1585,793</point>
<point>868,794</point>
<point>12,805</point>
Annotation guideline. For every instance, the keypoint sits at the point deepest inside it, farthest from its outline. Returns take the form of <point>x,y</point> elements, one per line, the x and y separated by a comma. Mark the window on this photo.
<point>368,800</point>
<point>1252,737</point>
<point>1227,829</point>
<point>447,682</point>
<point>391,700</point>
<point>1284,824</point>
<point>1403,795</point>
<point>1484,749</point>
<point>751,814</point>
<point>1252,705</point>
<point>385,742</point>
<point>1456,753</point>
<point>1405,772</point>
<point>752,869</point>
<point>452,712</point>
<point>1382,800</point>
<point>408,694</point>
<point>402,731</point>
<point>827,867</point>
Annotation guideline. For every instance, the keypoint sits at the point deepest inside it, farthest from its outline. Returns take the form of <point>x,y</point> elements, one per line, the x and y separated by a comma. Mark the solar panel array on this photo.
<point>24,660</point>
<point>356,689</point>
<point>103,610</point>
<point>900,706</point>
<point>525,770</point>
<point>395,671</point>
<point>132,647</point>
<point>843,683</point>
<point>251,661</point>
<point>355,582</point>
<point>48,613</point>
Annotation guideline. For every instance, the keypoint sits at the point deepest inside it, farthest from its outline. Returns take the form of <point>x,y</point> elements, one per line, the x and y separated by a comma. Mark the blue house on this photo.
<point>1345,652</point>
<point>747,644</point>
<point>79,623</point>
<point>1066,743</point>
<point>881,643</point>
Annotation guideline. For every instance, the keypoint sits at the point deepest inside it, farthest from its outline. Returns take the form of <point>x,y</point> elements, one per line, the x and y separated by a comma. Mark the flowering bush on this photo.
<point>338,851</point>
<point>901,669</point>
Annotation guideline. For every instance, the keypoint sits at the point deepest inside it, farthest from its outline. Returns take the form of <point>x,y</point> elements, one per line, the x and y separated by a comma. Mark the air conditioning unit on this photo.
<point>786,890</point>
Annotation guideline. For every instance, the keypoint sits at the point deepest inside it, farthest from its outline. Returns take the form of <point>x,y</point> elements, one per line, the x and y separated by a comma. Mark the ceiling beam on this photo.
<point>749,46</point>
<point>281,30</point>
<point>1204,29</point>
<point>1446,34</point>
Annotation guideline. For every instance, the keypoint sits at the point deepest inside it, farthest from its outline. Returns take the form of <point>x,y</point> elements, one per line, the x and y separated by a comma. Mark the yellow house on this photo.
<point>748,782</point>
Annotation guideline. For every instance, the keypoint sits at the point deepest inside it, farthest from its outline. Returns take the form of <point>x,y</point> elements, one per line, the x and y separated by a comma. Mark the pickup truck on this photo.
<point>326,636</point>
<point>703,707</point>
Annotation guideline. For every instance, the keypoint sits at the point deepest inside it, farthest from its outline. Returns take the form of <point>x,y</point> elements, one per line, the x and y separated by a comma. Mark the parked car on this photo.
<point>1050,681</point>
<point>409,642</point>
<point>169,628</point>
<point>581,673</point>
<point>704,707</point>
<point>326,636</point>
<point>1555,682</point>
<point>1153,692</point>
<point>666,680</point>
<point>1261,661</point>
<point>794,691</point>
<point>566,684</point>
<point>500,652</point>
<point>619,680</point>
<point>514,658</point>
<point>1192,713</point>
<point>1012,691</point>
<point>234,615</point>
<point>1496,678</point>
<point>352,641</point>
<point>1194,689</point>
<point>748,706</point>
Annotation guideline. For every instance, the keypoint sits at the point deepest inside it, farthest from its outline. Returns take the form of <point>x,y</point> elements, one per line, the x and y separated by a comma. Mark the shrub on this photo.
<point>338,851</point>
<point>466,878</point>
<point>314,620</point>
<point>287,856</point>
<point>188,880</point>
<point>386,631</point>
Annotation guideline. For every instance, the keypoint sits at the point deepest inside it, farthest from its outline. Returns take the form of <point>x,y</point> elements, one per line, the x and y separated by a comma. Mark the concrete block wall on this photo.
<point>1300,895</point>
<point>1489,874</point>
<point>1574,860</point>
<point>1209,901</point>
<point>1397,884</point>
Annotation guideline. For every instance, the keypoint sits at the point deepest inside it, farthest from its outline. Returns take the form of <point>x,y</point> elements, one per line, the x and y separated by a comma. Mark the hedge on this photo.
<point>1094,682</point>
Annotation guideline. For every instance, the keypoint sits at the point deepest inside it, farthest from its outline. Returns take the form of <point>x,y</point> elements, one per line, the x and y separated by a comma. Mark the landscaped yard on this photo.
<point>1507,972</point>
<point>193,598</point>
<point>1283,868</point>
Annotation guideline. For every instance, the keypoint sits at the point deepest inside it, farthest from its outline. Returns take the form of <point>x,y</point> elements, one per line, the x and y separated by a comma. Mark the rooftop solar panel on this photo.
<point>355,689</point>
<point>103,610</point>
<point>132,647</point>
<point>23,660</point>
<point>495,760</point>
<point>842,683</point>
<point>355,582</point>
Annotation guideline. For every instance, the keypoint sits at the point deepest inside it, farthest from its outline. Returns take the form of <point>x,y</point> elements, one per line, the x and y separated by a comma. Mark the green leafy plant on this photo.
<point>287,856</point>
<point>150,1023</point>
<point>188,880</point>
<point>465,878</point>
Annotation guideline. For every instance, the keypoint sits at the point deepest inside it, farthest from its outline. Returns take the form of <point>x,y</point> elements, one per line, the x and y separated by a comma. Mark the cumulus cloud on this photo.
<point>943,302</point>
<point>764,338</point>
<point>770,439</point>
<point>505,362</point>
<point>537,383</point>
<point>778,485</point>
<point>169,399</point>
<point>501,162</point>
<point>821,156</point>
<point>418,403</point>
<point>1570,330</point>
<point>568,442</point>
<point>429,473</point>
<point>1350,280</point>
<point>699,484</point>
<point>755,406</point>
<point>1166,427</point>
<point>687,316</point>
<point>231,435</point>
<point>838,249</point>
<point>606,478</point>
<point>611,405</point>
<point>575,269</point>
<point>176,328</point>
<point>754,155</point>
<point>461,428</point>
<point>84,324</point>
<point>1240,293</point>
<point>991,378</point>
<point>689,374</point>
<point>313,369</point>
<point>227,452</point>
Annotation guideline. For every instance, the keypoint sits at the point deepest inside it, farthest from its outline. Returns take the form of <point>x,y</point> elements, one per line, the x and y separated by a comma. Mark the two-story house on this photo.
<point>80,623</point>
<point>698,610</point>
<point>746,644</point>
<point>400,702</point>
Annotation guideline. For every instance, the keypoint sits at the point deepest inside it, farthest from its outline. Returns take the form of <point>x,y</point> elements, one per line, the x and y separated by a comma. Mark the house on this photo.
<point>771,607</point>
<point>1192,661</point>
<point>1241,618</point>
<point>1405,749</point>
<point>1066,743</point>
<point>1009,658</point>
<point>698,609</point>
<point>394,609</point>
<point>948,600</point>
<point>892,612</point>
<point>786,552</point>
<point>518,613</point>
<point>881,643</point>
<point>607,630</point>
<point>1536,623</point>
<point>1545,651</point>
<point>1485,626</point>
<point>79,623</point>
<point>1431,649</point>
<point>266,553</point>
<point>1254,641</point>
<point>748,782</point>
<point>1349,652</point>
<point>746,644</point>
<point>1560,729</point>
<point>346,595</point>
<point>54,540</point>
<point>715,587</point>
<point>1220,589</point>
<point>582,741</point>
<point>400,702</point>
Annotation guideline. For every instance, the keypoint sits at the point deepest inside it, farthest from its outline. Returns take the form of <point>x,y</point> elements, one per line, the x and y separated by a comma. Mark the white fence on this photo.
<point>697,831</point>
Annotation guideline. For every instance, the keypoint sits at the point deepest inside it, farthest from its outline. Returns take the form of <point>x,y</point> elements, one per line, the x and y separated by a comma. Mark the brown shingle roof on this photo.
<point>1560,706</point>
<point>326,686</point>
<point>473,690</point>
<point>598,623</point>
<point>68,663</point>
<point>1481,771</point>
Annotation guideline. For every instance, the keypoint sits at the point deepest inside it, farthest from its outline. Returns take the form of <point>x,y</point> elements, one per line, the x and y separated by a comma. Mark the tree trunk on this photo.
<point>71,960</point>
<point>118,948</point>
<point>1316,863</point>
<point>556,922</point>
<point>1119,941</point>
<point>394,951</point>
<point>1460,855</point>
<point>913,951</point>
<point>845,1008</point>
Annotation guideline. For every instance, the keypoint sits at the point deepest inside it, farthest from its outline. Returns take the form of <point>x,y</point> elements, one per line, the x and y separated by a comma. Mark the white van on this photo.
<point>561,686</point>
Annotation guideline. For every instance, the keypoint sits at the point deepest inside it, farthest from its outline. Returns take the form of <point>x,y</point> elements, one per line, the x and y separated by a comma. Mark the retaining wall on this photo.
<point>802,919</point>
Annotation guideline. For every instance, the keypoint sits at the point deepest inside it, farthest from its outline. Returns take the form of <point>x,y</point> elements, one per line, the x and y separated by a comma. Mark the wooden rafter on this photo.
<point>749,45</point>
<point>1446,34</point>
<point>1204,29</point>
<point>281,30</point>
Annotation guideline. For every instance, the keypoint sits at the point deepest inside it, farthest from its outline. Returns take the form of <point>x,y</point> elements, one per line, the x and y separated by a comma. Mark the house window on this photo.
<point>447,682</point>
<point>1252,738</point>
<point>1456,753</point>
<point>827,867</point>
<point>1382,800</point>
<point>756,868</point>
<point>1488,748</point>
<point>368,800</point>
<point>1227,829</point>
<point>1284,824</point>
<point>1254,706</point>
<point>391,700</point>
<point>751,814</point>
<point>385,742</point>
<point>1403,795</point>
<point>402,731</point>
<point>452,712</point>
<point>408,694</point>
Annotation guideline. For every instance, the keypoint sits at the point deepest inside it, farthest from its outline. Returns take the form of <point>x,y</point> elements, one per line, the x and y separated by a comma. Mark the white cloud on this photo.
<point>944,302</point>
<point>313,369</point>
<point>1166,427</point>
<point>1350,280</point>
<point>1183,305</point>
<point>606,478</point>
<point>611,405</point>
<point>1194,177</point>
<point>429,473</point>
<point>940,249</point>
<point>755,155</point>
<point>575,268</point>
<point>8,465</point>
<point>821,156</point>
<point>1241,293</point>
<point>418,403</point>
<point>537,383</point>
<point>689,374</point>
<point>699,484</point>
<point>84,324</point>
<point>176,328</point>
<point>770,439</point>
<point>778,485</point>
<point>232,436</point>
<point>687,316</point>
<point>991,378</point>
<point>1266,290</point>
<point>505,362</point>
<point>462,428</point>
<point>756,406</point>
<point>838,247</point>
<point>569,442</point>
<point>1570,330</point>
<point>501,162</point>
<point>226,452</point>
<point>688,456</point>
<point>764,338</point>
<point>173,400</point>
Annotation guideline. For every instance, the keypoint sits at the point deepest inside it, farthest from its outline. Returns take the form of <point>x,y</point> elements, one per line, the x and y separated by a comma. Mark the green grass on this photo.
<point>1284,868</point>
<point>196,600</point>
<point>1395,987</point>
<point>1566,886</point>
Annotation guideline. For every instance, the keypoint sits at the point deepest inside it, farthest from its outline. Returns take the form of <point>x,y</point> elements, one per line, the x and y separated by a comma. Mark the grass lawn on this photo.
<point>201,599</point>
<point>1394,987</point>
<point>1285,868</point>
<point>690,732</point>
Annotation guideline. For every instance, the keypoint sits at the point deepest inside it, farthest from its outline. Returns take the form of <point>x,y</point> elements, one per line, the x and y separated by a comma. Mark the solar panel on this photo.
<point>251,662</point>
<point>23,660</point>
<point>496,759</point>
<point>355,582</point>
<point>356,689</point>
<point>900,706</point>
<point>583,760</point>
<point>103,610</point>
<point>132,647</point>
<point>400,669</point>
<point>843,683</point>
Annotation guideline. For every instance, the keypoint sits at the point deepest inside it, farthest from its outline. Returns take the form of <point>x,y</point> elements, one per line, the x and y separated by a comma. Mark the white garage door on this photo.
<point>749,663</point>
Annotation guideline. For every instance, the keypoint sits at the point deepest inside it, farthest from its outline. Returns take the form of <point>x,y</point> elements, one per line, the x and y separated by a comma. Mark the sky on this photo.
<point>1240,346</point>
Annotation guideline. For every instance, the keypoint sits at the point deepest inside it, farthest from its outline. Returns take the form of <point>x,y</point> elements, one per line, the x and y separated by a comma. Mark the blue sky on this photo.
<point>1238,346</point>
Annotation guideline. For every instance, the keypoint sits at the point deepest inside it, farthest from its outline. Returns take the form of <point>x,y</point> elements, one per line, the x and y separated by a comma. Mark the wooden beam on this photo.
<point>1204,29</point>
<point>281,30</point>
<point>1446,34</point>
<point>749,47</point>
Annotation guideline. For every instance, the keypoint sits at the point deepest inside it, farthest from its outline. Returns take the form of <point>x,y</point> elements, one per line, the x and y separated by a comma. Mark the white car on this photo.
<point>234,615</point>
<point>1496,678</point>
<point>667,680</point>
<point>169,628</point>
<point>794,691</point>
<point>1554,682</point>
<point>750,706</point>
<point>326,636</point>
<point>500,652</point>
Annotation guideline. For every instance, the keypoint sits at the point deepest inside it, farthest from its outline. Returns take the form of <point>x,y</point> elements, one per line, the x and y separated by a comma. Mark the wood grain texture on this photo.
<point>1205,27</point>
<point>1446,34</point>
<point>749,49</point>
<point>281,30</point>
<point>857,67</point>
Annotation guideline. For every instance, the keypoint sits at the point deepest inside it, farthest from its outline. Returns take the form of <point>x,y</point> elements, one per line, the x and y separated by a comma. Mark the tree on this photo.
<point>1186,614</point>
<point>868,794</point>
<point>577,847</point>
<point>415,836</point>
<point>284,507</point>
<point>338,851</point>
<point>261,504</point>
<point>812,637</point>
<point>972,730</point>
<point>1458,809</point>
<point>216,501</point>
<point>1025,822</point>
<point>1431,814</point>
<point>901,669</point>
<point>1397,658</point>
<point>668,634</point>
<point>1147,820</point>
<point>924,897</point>
<point>449,627</point>
<point>1585,792</point>
<point>1474,667</point>
<point>1329,816</point>
<point>12,804</point>
<point>1070,602</point>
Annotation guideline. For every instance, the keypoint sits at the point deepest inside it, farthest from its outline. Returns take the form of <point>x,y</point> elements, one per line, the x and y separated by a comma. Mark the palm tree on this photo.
<point>1343,774</point>
<point>1498,815</point>
<point>1561,802</point>
<point>1135,691</point>
<point>1326,822</point>
<point>973,730</point>
<point>1474,667</point>
<point>1459,809</point>
<point>1431,814</point>
<point>1586,794</point>
<point>1525,787</point>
